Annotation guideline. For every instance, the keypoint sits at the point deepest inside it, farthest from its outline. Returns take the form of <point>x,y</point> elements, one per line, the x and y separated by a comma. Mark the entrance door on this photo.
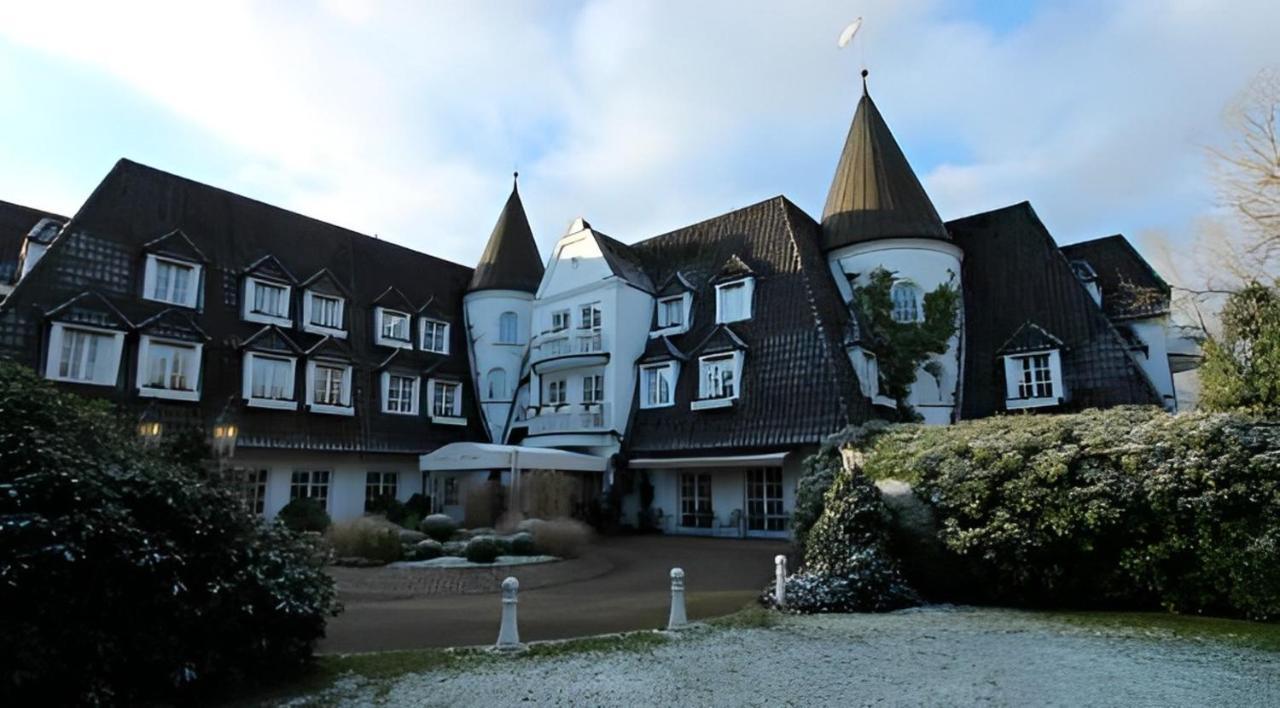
<point>695,500</point>
<point>765,516</point>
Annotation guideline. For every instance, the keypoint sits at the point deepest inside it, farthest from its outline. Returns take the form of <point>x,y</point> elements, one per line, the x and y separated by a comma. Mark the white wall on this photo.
<point>346,481</point>
<point>484,309</point>
<point>928,263</point>
<point>728,492</point>
<point>1154,332</point>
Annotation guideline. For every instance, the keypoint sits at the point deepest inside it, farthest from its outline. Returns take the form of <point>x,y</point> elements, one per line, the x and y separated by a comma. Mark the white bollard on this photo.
<point>678,619</point>
<point>508,633</point>
<point>780,580</point>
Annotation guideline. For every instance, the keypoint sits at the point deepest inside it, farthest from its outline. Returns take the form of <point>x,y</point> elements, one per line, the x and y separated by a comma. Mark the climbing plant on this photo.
<point>901,348</point>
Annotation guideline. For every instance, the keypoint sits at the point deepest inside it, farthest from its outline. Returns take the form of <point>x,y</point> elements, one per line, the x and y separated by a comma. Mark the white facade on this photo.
<point>345,477</point>
<point>498,330</point>
<point>1155,334</point>
<point>927,264</point>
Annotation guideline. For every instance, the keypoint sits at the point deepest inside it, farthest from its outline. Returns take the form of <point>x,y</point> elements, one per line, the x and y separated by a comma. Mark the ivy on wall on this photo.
<point>901,348</point>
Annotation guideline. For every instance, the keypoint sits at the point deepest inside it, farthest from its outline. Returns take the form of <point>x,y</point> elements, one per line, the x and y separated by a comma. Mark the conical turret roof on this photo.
<point>510,260</point>
<point>875,194</point>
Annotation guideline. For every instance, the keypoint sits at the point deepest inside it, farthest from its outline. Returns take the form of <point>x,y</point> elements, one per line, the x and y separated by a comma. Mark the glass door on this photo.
<point>695,500</point>
<point>764,500</point>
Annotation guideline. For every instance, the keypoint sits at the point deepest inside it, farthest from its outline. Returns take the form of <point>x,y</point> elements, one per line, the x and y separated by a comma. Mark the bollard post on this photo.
<point>678,619</point>
<point>780,580</point>
<point>509,633</point>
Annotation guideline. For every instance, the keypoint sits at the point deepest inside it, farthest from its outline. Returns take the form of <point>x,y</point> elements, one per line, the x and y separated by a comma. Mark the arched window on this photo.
<point>906,302</point>
<point>496,384</point>
<point>508,328</point>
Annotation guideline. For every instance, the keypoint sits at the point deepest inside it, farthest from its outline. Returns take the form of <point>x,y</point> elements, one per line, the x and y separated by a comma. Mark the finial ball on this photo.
<point>864,73</point>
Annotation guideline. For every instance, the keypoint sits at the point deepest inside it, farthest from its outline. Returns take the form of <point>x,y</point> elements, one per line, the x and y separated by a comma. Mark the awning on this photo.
<point>771,459</point>
<point>488,456</point>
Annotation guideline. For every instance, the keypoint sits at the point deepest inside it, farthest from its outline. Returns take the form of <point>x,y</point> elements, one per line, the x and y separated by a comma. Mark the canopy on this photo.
<point>488,456</point>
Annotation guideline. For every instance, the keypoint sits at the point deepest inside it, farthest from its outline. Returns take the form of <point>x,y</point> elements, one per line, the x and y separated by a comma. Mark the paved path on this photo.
<point>620,584</point>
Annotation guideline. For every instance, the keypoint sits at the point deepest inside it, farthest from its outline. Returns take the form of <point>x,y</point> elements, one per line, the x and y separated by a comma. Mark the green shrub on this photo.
<point>367,537</point>
<point>441,527</point>
<point>1128,507</point>
<point>304,514</point>
<point>419,505</point>
<point>425,550</point>
<point>483,549</point>
<point>129,576</point>
<point>522,545</point>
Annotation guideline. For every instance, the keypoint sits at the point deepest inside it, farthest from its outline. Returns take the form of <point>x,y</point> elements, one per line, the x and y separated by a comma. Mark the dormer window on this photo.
<point>657,385</point>
<point>266,301</point>
<point>733,300</point>
<point>435,336</point>
<point>1033,380</point>
<point>718,380</point>
<point>392,328</point>
<point>399,394</point>
<point>87,355</point>
<point>171,281</point>
<point>323,314</point>
<point>329,388</point>
<point>168,369</point>
<point>268,381</point>
<point>905,297</point>
<point>671,311</point>
<point>446,402</point>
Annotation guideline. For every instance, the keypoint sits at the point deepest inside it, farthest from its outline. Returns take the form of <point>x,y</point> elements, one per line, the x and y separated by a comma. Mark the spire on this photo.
<point>510,260</point>
<point>875,194</point>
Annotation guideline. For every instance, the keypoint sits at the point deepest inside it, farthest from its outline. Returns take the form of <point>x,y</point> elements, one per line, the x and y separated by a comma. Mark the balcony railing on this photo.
<point>569,343</point>
<point>569,418</point>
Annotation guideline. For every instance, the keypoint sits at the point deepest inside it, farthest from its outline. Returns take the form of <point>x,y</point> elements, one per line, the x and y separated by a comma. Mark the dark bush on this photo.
<point>303,514</point>
<point>425,550</point>
<point>483,549</point>
<point>129,576</point>
<point>522,544</point>
<point>418,505</point>
<point>441,527</point>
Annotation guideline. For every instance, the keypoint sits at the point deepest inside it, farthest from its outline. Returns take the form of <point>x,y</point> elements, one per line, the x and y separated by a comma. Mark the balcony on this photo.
<point>570,418</point>
<point>567,349</point>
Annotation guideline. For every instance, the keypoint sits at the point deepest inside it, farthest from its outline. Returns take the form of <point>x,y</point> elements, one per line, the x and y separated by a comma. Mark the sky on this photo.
<point>406,119</point>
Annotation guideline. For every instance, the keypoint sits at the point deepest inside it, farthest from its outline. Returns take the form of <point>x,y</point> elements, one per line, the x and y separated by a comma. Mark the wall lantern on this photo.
<point>226,430</point>
<point>149,425</point>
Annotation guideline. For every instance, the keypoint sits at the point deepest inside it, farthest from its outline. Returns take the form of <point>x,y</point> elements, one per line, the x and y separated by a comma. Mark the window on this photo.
<point>450,491</point>
<point>593,388</point>
<point>508,328</point>
<point>671,312</point>
<point>435,336</point>
<point>84,355</point>
<point>906,302</point>
<point>446,401</point>
<point>589,316</point>
<point>695,500</point>
<point>1033,379</point>
<point>310,485</point>
<point>251,486</point>
<point>559,320</point>
<point>658,383</point>
<point>392,329</point>
<point>555,392</point>
<point>719,377</point>
<point>171,281</point>
<point>496,384</point>
<point>329,388</point>
<point>266,302</point>
<point>168,369</point>
<point>268,381</point>
<point>764,500</point>
<point>323,314</point>
<point>399,394</point>
<point>379,487</point>
<point>733,300</point>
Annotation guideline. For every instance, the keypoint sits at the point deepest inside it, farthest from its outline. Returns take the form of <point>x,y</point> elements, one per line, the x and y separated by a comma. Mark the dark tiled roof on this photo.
<point>102,252</point>
<point>16,221</point>
<point>1130,286</point>
<point>510,260</point>
<point>623,261</point>
<point>875,193</point>
<point>1013,274</point>
<point>1030,337</point>
<point>797,384</point>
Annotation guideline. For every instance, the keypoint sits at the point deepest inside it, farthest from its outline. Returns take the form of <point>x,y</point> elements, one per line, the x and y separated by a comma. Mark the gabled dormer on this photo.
<point>324,305</point>
<point>329,374</point>
<point>584,256</point>
<point>269,366</point>
<point>85,341</point>
<point>721,357</point>
<point>173,270</point>
<point>1032,368</point>
<point>659,371</point>
<point>268,293</point>
<point>673,306</point>
<point>735,289</point>
<point>435,327</point>
<point>393,319</point>
<point>170,353</point>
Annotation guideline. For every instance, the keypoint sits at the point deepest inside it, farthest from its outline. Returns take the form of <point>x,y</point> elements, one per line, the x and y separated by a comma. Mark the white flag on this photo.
<point>847,35</point>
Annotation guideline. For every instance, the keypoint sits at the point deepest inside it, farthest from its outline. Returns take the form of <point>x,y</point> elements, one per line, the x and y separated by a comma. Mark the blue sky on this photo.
<point>406,119</point>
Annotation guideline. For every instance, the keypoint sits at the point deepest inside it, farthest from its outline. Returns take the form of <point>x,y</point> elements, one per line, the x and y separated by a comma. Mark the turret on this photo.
<point>498,306</point>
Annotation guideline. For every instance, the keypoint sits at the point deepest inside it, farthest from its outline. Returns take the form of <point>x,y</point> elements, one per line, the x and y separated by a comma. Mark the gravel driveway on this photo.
<point>935,656</point>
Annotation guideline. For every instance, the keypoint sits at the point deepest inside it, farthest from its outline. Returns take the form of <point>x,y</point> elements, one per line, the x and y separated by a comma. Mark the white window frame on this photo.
<point>918,293</point>
<point>590,316</point>
<point>246,391</point>
<point>704,401</point>
<point>308,306</point>
<point>748,286</point>
<point>311,484</point>
<point>144,366</point>
<point>514,318</point>
<point>488,384</point>
<point>248,314</point>
<point>423,325</point>
<point>344,406</point>
<point>378,481</point>
<point>1013,367</point>
<point>379,316</point>
<point>113,353</point>
<point>563,316</point>
<point>596,388</point>
<point>150,275</point>
<point>456,418</point>
<point>666,369</point>
<point>386,393</point>
<point>561,386</point>
<point>685,300</point>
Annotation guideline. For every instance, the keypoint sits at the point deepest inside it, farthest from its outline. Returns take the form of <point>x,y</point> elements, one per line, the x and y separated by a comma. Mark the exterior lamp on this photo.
<point>226,430</point>
<point>149,426</point>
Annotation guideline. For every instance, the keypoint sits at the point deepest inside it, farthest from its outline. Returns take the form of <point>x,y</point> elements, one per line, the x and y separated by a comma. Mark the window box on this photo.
<point>266,301</point>
<point>171,281</point>
<point>268,381</point>
<point>435,336</point>
<point>168,369</point>
<point>329,388</point>
<point>84,355</point>
<point>324,314</point>
<point>391,328</point>
<point>399,394</point>
<point>733,300</point>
